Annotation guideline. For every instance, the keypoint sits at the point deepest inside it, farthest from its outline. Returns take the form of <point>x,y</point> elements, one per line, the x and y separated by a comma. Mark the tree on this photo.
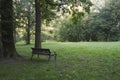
<point>70,31</point>
<point>0,37</point>
<point>58,4</point>
<point>110,15</point>
<point>7,28</point>
<point>104,25</point>
<point>42,13</point>
<point>29,14</point>
<point>73,30</point>
<point>38,24</point>
<point>29,11</point>
<point>91,25</point>
<point>110,18</point>
<point>24,15</point>
<point>0,32</point>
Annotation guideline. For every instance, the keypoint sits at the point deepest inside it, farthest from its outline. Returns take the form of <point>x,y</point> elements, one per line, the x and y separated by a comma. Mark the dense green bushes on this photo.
<point>100,26</point>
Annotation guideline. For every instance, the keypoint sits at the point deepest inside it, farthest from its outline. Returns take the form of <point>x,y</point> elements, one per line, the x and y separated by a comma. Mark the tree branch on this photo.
<point>55,4</point>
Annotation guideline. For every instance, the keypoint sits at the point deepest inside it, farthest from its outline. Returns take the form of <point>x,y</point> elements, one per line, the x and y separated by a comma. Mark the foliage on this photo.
<point>75,61</point>
<point>112,17</point>
<point>46,6</point>
<point>69,31</point>
<point>24,18</point>
<point>103,25</point>
<point>24,12</point>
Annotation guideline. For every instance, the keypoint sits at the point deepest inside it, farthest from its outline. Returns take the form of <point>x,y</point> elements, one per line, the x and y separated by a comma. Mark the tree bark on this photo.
<point>0,39</point>
<point>38,24</point>
<point>0,50</point>
<point>28,29</point>
<point>8,45</point>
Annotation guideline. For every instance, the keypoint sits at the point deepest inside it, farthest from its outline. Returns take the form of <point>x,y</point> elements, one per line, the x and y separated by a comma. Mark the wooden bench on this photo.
<point>39,51</point>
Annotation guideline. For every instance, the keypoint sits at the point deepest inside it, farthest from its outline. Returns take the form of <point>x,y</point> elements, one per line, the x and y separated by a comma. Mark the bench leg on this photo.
<point>38,55</point>
<point>55,56</point>
<point>49,57</point>
<point>31,56</point>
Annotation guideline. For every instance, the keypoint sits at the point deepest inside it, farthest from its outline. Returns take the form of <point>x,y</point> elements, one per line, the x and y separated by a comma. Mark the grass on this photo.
<point>75,61</point>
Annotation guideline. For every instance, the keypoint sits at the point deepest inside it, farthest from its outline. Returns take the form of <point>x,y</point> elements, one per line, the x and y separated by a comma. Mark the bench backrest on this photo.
<point>41,51</point>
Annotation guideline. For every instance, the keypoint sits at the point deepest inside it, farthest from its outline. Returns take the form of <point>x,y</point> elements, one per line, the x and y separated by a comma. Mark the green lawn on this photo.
<point>75,61</point>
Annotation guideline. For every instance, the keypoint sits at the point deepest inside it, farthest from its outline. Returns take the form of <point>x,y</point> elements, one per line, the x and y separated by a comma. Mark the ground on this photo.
<point>75,61</point>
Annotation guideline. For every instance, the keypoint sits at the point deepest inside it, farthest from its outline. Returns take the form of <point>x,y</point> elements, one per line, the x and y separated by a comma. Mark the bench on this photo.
<point>39,51</point>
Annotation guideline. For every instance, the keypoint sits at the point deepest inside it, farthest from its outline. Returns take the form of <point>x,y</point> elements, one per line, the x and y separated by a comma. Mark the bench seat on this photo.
<point>41,51</point>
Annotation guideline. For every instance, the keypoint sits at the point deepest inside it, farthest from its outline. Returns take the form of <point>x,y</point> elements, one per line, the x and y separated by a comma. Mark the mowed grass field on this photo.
<point>75,61</point>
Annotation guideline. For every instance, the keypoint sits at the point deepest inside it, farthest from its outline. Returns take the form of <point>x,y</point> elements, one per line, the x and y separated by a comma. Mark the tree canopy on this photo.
<point>102,25</point>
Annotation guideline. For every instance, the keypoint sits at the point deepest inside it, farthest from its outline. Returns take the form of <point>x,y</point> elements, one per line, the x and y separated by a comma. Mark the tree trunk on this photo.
<point>8,45</point>
<point>38,24</point>
<point>0,32</point>
<point>0,46</point>
<point>28,29</point>
<point>0,39</point>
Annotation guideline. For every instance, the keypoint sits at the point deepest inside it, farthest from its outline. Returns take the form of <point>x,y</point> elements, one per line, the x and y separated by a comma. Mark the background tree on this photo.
<point>99,25</point>
<point>105,23</point>
<point>24,14</point>
<point>111,18</point>
<point>73,30</point>
<point>29,13</point>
